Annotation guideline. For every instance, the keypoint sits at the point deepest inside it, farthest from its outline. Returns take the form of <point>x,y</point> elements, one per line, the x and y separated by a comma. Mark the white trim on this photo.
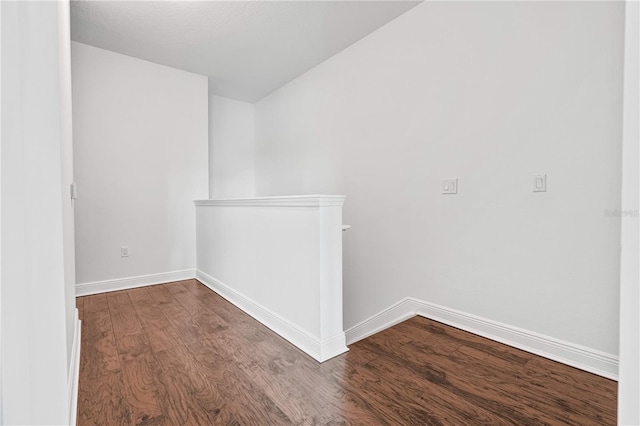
<point>284,201</point>
<point>333,346</point>
<point>95,287</point>
<point>394,314</point>
<point>74,371</point>
<point>629,330</point>
<point>1,353</point>
<point>591,360</point>
<point>303,340</point>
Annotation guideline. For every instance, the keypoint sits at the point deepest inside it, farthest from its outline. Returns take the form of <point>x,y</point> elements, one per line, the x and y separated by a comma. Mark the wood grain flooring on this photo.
<point>179,354</point>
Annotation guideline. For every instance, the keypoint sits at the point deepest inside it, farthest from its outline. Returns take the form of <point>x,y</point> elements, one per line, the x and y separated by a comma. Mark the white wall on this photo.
<point>64,46</point>
<point>280,260</point>
<point>629,385</point>
<point>231,153</point>
<point>1,380</point>
<point>35,306</point>
<point>140,156</point>
<point>490,93</point>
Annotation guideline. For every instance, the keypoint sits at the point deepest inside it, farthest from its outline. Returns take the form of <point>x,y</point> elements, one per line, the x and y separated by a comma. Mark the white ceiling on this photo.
<point>247,48</point>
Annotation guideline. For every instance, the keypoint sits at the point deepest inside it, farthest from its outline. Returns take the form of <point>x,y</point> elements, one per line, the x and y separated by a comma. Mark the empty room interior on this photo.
<point>319,213</point>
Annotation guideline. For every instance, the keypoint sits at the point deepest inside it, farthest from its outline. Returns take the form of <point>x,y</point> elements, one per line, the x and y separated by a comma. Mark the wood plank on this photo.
<point>410,391</point>
<point>191,331</point>
<point>457,337</point>
<point>188,398</point>
<point>197,335</point>
<point>180,354</point>
<point>123,318</point>
<point>101,401</point>
<point>143,391</point>
<point>101,394</point>
<point>223,308</point>
<point>576,395</point>
<point>197,399</point>
<point>471,385</point>
<point>283,375</point>
<point>252,404</point>
<point>98,348</point>
<point>166,302</point>
<point>386,339</point>
<point>161,333</point>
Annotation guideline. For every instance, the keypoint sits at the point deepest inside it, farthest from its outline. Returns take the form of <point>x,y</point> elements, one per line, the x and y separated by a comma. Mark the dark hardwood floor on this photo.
<point>179,354</point>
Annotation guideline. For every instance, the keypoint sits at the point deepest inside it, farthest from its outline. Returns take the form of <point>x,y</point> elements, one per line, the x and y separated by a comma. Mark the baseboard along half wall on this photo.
<point>95,287</point>
<point>321,350</point>
<point>587,359</point>
<point>74,371</point>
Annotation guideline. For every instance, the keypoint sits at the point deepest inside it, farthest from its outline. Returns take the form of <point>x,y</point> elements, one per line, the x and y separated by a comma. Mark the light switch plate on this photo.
<point>450,186</point>
<point>539,183</point>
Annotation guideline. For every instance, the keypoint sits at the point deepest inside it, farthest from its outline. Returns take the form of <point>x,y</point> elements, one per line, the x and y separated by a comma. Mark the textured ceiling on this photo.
<point>247,48</point>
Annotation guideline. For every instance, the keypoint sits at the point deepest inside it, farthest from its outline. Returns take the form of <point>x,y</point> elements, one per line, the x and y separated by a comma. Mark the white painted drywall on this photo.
<point>280,259</point>
<point>490,93</point>
<point>231,154</point>
<point>140,155</point>
<point>64,46</point>
<point>34,298</point>
<point>629,384</point>
<point>1,380</point>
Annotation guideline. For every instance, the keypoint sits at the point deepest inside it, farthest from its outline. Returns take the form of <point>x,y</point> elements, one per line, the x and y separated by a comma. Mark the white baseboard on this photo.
<point>95,287</point>
<point>394,314</point>
<point>74,371</point>
<point>587,359</point>
<point>333,346</point>
<point>311,345</point>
